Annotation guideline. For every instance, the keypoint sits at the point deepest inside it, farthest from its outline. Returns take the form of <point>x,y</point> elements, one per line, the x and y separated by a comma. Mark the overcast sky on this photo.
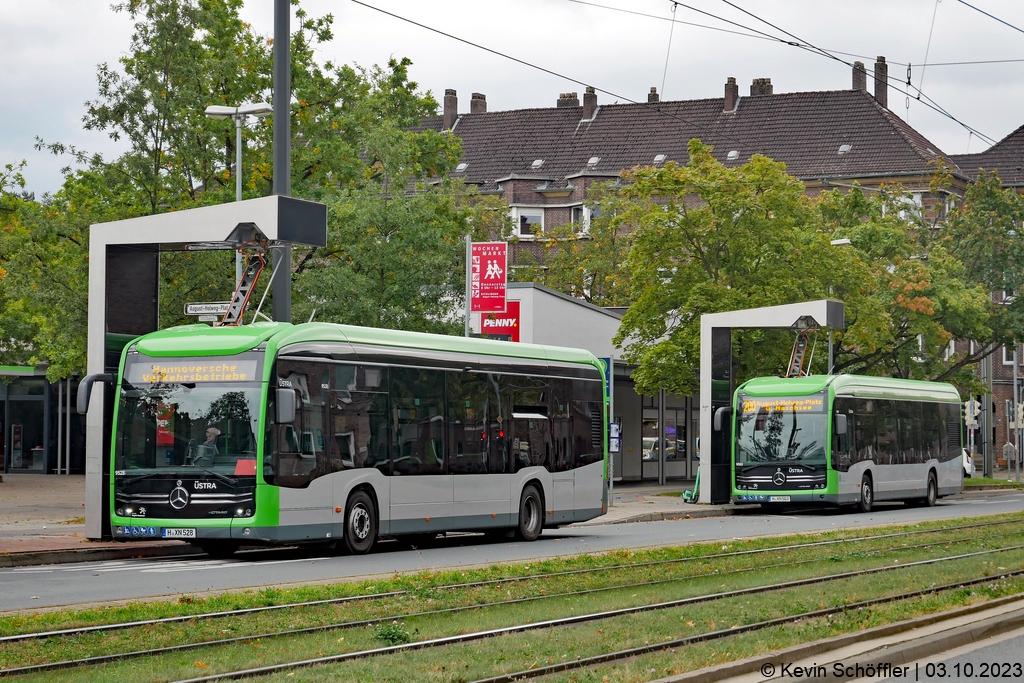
<point>50,49</point>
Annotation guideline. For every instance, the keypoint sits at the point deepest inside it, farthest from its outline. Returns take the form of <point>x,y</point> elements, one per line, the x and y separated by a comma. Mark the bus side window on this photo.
<point>931,431</point>
<point>864,429</point>
<point>587,422</point>
<point>842,450</point>
<point>360,422</point>
<point>467,402</point>
<point>298,451</point>
<point>417,405</point>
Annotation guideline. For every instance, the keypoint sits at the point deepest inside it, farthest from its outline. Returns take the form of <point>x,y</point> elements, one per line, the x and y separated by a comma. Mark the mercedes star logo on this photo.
<point>779,478</point>
<point>178,498</point>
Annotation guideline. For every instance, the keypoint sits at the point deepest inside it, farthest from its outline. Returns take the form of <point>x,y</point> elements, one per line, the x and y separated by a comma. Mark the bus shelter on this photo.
<point>124,265</point>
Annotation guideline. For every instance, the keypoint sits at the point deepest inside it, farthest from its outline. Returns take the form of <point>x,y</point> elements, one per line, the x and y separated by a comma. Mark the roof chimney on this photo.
<point>653,95</point>
<point>882,82</point>
<point>761,86</point>
<point>860,76</point>
<point>478,103</point>
<point>732,94</point>
<point>568,99</point>
<point>589,103</point>
<point>451,108</point>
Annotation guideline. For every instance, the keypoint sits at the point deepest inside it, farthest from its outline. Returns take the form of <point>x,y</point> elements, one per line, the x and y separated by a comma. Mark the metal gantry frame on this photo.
<point>279,220</point>
<point>718,380</point>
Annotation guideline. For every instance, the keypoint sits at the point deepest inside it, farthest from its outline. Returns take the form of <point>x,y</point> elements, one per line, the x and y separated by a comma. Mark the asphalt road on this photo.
<point>997,658</point>
<point>93,582</point>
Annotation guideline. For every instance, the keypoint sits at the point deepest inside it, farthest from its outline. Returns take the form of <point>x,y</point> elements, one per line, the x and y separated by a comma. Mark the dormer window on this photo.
<point>593,161</point>
<point>843,149</point>
<point>659,159</point>
<point>733,155</point>
<point>537,163</point>
<point>461,168</point>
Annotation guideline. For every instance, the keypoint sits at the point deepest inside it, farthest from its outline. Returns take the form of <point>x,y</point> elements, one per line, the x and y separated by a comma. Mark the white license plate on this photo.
<point>179,533</point>
<point>771,499</point>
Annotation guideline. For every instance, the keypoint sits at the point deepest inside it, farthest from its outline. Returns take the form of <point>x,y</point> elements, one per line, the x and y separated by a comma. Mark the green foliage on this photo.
<point>707,238</point>
<point>592,265</point>
<point>395,256</point>
<point>392,634</point>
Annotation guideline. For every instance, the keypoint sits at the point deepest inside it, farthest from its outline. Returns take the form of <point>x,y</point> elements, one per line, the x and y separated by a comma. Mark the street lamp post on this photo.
<point>239,115</point>
<point>831,353</point>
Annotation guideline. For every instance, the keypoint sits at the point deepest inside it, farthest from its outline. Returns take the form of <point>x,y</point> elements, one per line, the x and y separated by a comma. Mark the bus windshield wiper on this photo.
<point>223,477</point>
<point>139,477</point>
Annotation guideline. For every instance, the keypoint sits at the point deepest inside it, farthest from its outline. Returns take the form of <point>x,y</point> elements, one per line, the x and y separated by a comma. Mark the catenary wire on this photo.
<point>991,16</point>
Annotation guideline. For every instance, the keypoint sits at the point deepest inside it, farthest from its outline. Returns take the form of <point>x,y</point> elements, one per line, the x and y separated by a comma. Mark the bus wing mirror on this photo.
<point>85,389</point>
<point>840,424</point>
<point>722,416</point>
<point>285,406</point>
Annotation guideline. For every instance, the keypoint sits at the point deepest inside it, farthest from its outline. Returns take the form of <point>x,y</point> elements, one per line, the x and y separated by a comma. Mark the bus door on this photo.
<point>477,458</point>
<point>422,490</point>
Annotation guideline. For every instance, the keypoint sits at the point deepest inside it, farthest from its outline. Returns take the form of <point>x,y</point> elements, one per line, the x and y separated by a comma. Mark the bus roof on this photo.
<point>203,340</point>
<point>852,385</point>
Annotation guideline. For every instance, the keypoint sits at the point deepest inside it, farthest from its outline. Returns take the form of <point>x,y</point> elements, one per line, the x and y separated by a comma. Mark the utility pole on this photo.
<point>282,306</point>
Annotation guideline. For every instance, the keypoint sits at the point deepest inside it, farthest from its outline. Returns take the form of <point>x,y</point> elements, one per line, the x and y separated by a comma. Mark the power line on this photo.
<point>990,16</point>
<point>774,39</point>
<point>545,70</point>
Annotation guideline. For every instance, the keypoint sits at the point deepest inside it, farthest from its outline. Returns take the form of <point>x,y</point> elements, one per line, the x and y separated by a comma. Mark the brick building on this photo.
<point>543,161</point>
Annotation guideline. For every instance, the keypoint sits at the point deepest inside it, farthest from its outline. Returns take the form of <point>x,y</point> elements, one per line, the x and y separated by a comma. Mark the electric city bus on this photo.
<point>845,440</point>
<point>273,434</point>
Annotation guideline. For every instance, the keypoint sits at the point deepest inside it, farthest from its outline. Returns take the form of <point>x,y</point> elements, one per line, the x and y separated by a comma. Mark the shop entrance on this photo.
<point>23,414</point>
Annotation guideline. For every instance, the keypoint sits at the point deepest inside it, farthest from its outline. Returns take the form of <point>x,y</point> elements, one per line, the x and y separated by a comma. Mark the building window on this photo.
<point>577,217</point>
<point>1008,355</point>
<point>950,350</point>
<point>529,220</point>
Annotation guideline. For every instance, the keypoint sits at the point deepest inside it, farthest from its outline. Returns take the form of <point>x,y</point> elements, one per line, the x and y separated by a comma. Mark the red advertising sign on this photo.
<point>489,265</point>
<point>503,325</point>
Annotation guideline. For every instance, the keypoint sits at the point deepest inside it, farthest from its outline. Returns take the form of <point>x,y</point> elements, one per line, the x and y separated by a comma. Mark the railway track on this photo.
<point>104,659</point>
<point>633,652</point>
<point>103,628</point>
<point>551,623</point>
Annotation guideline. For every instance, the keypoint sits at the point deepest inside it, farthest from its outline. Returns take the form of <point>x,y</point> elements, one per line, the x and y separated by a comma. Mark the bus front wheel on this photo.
<point>531,514</point>
<point>867,495</point>
<point>360,523</point>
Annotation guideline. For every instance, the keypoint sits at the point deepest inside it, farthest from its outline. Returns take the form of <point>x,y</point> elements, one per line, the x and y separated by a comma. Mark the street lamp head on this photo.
<point>216,111</point>
<point>841,242</point>
<point>256,109</point>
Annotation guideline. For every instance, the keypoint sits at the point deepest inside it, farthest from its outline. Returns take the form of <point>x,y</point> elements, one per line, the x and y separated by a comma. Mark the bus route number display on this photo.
<point>794,404</point>
<point>190,371</point>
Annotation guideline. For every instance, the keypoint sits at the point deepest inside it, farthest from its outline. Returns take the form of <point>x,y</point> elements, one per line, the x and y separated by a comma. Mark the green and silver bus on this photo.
<point>845,440</point>
<point>273,434</point>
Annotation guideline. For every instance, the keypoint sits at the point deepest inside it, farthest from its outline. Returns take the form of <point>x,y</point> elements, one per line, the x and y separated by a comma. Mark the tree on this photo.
<point>706,238</point>
<point>591,265</point>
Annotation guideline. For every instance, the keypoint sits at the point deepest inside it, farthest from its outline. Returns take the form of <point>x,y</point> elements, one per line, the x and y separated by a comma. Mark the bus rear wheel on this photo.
<point>867,495</point>
<point>531,515</point>
<point>360,523</point>
<point>933,491</point>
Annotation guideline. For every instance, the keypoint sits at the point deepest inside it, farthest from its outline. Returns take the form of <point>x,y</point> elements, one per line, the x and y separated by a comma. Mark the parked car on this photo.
<point>968,461</point>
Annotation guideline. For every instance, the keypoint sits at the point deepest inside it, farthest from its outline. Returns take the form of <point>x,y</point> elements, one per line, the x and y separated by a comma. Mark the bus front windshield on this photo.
<point>781,429</point>
<point>188,414</point>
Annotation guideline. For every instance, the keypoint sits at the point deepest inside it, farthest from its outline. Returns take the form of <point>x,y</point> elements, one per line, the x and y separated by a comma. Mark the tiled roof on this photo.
<point>804,130</point>
<point>1006,157</point>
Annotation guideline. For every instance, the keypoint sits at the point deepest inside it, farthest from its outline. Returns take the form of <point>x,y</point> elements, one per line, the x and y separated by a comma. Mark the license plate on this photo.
<point>771,499</point>
<point>179,533</point>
